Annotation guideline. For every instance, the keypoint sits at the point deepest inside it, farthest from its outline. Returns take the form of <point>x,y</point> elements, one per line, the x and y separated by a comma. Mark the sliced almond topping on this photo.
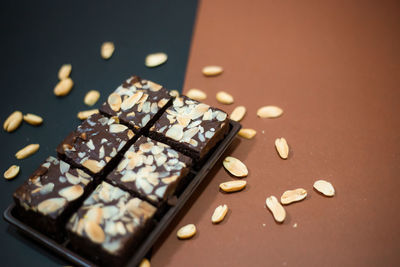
<point>324,187</point>
<point>107,49</point>
<point>33,119</point>
<point>247,133</point>
<point>295,195</point>
<point>117,128</point>
<point>27,151</point>
<point>114,100</point>
<point>156,59</point>
<point>224,98</point>
<point>131,101</point>
<point>63,87</point>
<point>92,165</point>
<point>144,263</point>
<point>276,208</point>
<point>186,231</point>
<point>51,205</point>
<point>11,172</point>
<point>174,93</point>
<point>196,94</point>
<point>94,232</point>
<point>83,115</point>
<point>212,70</point>
<point>233,186</point>
<point>219,213</point>
<point>72,192</point>
<point>175,132</point>
<point>235,167</point>
<point>13,121</point>
<point>91,97</point>
<point>238,113</point>
<point>154,86</point>
<point>282,147</point>
<point>95,214</point>
<point>269,112</point>
<point>64,71</point>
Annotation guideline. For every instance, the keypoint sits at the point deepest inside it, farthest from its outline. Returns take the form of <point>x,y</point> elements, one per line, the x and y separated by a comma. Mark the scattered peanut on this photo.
<point>156,59</point>
<point>219,213</point>
<point>63,87</point>
<point>269,112</point>
<point>27,151</point>
<point>247,133</point>
<point>238,113</point>
<point>276,208</point>
<point>235,167</point>
<point>11,172</point>
<point>233,186</point>
<point>282,147</point>
<point>145,263</point>
<point>196,94</point>
<point>91,97</point>
<point>64,71</point>
<point>107,50</point>
<point>295,195</point>
<point>324,187</point>
<point>13,121</point>
<point>186,231</point>
<point>224,98</point>
<point>83,115</point>
<point>33,119</point>
<point>212,70</point>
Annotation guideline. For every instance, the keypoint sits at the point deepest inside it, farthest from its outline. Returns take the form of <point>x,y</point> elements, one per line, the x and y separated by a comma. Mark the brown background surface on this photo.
<point>334,67</point>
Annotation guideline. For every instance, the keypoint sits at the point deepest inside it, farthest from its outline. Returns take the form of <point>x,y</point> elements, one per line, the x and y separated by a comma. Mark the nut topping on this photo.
<point>72,192</point>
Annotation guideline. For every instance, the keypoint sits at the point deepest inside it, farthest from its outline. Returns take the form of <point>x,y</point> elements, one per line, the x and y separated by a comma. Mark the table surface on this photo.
<point>334,68</point>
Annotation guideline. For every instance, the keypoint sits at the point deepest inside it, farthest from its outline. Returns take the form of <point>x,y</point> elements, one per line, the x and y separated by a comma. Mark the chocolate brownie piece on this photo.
<point>137,103</point>
<point>151,170</point>
<point>50,195</point>
<point>191,127</point>
<point>109,225</point>
<point>94,145</point>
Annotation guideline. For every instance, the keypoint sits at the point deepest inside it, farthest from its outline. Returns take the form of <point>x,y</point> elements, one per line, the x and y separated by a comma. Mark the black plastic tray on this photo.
<point>148,242</point>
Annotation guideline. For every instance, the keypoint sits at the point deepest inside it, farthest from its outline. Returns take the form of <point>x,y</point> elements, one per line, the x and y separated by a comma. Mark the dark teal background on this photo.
<point>37,37</point>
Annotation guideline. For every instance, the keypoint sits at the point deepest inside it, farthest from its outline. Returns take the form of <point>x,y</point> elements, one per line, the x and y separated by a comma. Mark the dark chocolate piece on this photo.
<point>137,103</point>
<point>95,144</point>
<point>50,195</point>
<point>151,170</point>
<point>191,127</point>
<point>109,225</point>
